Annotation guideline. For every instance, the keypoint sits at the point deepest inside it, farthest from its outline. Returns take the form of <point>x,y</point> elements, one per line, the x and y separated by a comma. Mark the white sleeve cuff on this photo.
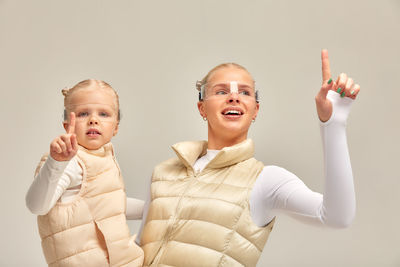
<point>58,166</point>
<point>340,108</point>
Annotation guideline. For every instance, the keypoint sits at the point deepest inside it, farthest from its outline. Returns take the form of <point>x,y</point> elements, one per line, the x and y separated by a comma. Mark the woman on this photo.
<point>214,205</point>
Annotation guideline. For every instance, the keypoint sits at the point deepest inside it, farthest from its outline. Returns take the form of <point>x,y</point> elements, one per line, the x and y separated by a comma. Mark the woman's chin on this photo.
<point>236,126</point>
<point>233,132</point>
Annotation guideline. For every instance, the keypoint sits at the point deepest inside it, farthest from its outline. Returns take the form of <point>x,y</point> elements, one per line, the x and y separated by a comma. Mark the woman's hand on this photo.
<point>343,85</point>
<point>65,146</point>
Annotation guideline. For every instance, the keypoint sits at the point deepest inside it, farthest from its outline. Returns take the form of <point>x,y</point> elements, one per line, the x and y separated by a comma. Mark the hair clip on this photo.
<point>199,84</point>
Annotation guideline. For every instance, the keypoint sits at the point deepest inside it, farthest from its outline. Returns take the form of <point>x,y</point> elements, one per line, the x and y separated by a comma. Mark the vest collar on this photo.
<point>189,152</point>
<point>103,151</point>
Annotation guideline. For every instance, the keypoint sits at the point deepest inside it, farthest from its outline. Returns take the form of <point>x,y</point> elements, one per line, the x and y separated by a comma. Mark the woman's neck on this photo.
<point>219,142</point>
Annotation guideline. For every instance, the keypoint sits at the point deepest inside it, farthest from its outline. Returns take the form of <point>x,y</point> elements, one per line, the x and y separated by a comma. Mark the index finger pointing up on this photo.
<point>326,69</point>
<point>71,125</point>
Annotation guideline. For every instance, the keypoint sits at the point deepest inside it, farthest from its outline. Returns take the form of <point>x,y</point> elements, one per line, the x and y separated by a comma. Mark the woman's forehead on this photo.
<point>229,84</point>
<point>230,74</point>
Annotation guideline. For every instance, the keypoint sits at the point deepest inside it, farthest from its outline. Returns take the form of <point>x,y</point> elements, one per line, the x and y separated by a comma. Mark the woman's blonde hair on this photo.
<point>202,83</point>
<point>87,84</point>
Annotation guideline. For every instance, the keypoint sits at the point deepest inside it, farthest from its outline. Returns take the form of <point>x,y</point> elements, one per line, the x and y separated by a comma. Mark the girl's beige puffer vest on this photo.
<point>91,230</point>
<point>203,219</point>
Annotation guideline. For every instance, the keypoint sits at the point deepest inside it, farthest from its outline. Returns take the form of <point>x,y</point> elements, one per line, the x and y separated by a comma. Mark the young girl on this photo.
<point>78,191</point>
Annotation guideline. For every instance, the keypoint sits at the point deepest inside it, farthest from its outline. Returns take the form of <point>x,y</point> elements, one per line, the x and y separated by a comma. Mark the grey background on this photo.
<point>152,52</point>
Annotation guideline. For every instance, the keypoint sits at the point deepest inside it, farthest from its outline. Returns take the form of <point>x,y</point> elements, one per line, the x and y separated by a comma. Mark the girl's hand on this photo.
<point>65,147</point>
<point>343,85</point>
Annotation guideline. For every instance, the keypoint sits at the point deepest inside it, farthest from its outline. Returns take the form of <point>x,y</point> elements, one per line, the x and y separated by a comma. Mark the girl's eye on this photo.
<point>244,92</point>
<point>83,114</point>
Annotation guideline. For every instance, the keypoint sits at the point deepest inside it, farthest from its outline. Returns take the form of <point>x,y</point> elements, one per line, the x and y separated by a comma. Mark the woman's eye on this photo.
<point>104,114</point>
<point>220,92</point>
<point>83,114</point>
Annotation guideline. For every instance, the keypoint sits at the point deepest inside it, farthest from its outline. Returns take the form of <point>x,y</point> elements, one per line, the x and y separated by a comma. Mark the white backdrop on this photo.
<point>152,52</point>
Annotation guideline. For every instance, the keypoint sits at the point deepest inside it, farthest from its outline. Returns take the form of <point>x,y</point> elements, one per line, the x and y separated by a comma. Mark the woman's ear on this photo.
<point>200,106</point>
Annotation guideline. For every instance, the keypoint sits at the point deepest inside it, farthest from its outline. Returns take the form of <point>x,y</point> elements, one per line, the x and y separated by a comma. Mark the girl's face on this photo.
<point>229,104</point>
<point>96,114</point>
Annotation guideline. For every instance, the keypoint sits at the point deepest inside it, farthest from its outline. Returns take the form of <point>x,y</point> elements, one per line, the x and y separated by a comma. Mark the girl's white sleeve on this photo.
<point>50,183</point>
<point>134,208</point>
<point>145,212</point>
<point>277,190</point>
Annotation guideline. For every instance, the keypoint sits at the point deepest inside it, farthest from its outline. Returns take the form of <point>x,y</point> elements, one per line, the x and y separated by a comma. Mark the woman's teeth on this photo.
<point>232,112</point>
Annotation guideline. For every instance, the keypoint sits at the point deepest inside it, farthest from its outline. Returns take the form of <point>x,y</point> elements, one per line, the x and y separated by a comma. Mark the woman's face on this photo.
<point>229,104</point>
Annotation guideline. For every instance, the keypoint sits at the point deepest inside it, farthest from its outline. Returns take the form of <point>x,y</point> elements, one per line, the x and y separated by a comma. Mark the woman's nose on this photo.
<point>233,97</point>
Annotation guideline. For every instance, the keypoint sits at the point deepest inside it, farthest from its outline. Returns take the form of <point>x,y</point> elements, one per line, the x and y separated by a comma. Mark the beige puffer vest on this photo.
<point>91,230</point>
<point>203,219</point>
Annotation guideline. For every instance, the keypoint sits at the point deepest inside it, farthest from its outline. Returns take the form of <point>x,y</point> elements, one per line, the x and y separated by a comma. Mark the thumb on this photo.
<point>326,86</point>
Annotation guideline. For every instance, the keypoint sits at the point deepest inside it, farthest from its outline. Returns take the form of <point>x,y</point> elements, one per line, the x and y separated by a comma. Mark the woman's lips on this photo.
<point>232,113</point>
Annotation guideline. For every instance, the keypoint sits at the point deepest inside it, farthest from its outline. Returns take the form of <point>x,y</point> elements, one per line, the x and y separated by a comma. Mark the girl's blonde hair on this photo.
<point>87,84</point>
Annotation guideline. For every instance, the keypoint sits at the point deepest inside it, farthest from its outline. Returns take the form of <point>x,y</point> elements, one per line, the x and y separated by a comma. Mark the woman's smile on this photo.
<point>232,113</point>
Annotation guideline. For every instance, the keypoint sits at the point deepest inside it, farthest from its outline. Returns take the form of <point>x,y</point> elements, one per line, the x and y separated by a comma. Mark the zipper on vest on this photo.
<point>164,242</point>
<point>178,207</point>
<point>172,220</point>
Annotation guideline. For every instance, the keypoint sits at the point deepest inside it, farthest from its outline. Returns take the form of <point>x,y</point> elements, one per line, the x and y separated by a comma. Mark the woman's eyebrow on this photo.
<point>221,85</point>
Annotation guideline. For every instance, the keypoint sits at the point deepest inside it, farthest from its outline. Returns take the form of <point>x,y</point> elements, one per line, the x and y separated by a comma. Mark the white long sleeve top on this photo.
<point>61,181</point>
<point>277,190</point>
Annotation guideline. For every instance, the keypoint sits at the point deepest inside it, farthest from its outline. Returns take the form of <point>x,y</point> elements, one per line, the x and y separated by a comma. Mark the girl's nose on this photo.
<point>93,120</point>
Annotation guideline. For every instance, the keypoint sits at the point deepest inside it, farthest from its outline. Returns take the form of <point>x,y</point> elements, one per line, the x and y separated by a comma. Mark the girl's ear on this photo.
<point>116,129</point>
<point>257,109</point>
